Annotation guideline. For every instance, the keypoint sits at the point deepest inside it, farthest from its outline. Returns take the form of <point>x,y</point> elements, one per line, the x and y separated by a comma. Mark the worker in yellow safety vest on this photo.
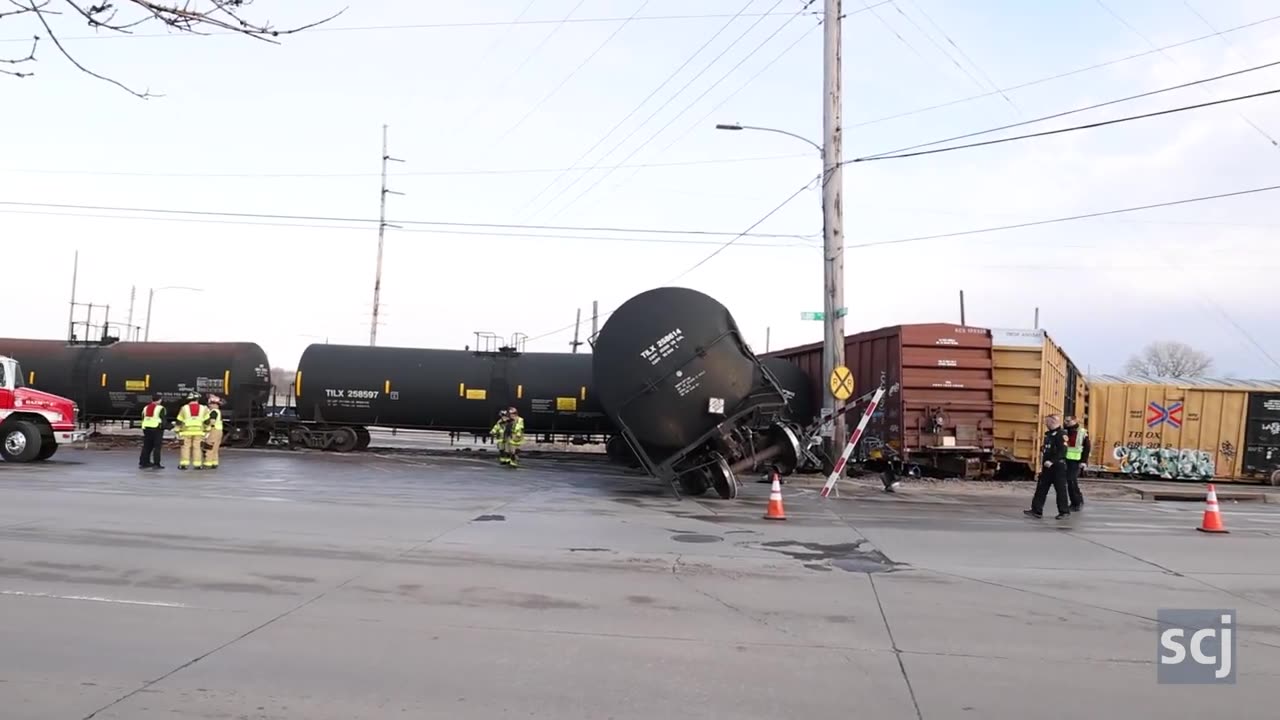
<point>190,425</point>
<point>214,436</point>
<point>153,416</point>
<point>1077,455</point>
<point>514,437</point>
<point>498,433</point>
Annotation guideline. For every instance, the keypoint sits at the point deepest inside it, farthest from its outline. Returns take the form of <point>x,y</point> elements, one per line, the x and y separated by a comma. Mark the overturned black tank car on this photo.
<point>696,406</point>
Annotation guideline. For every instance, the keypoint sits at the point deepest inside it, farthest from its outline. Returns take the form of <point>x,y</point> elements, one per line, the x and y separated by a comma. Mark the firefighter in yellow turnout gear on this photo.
<point>190,426</point>
<point>214,436</point>
<point>508,433</point>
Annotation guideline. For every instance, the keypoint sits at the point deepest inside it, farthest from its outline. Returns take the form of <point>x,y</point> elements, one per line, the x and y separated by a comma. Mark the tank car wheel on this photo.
<point>261,438</point>
<point>723,479</point>
<point>694,483</point>
<point>619,452</point>
<point>1275,479</point>
<point>363,438</point>
<point>344,440</point>
<point>298,438</point>
<point>239,437</point>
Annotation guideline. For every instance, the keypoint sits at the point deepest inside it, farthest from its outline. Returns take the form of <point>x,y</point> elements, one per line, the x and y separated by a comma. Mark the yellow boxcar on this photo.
<point>1180,429</point>
<point>1034,378</point>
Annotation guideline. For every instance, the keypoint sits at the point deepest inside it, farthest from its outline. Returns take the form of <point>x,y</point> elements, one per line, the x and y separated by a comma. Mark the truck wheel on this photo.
<point>20,442</point>
<point>47,449</point>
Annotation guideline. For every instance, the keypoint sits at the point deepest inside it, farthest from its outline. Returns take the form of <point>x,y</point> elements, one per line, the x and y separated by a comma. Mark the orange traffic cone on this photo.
<point>775,512</point>
<point>1212,522</point>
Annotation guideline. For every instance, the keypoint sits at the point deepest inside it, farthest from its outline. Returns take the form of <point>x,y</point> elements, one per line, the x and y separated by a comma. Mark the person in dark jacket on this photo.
<point>1053,470</point>
<point>153,422</point>
<point>1078,448</point>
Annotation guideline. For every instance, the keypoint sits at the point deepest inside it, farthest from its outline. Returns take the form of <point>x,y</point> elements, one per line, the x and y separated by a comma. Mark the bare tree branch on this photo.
<point>57,43</point>
<point>1169,360</point>
<point>185,16</point>
<point>31,57</point>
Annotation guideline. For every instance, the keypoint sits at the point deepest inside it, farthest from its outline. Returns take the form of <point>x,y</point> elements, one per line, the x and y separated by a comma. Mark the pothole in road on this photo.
<point>856,557</point>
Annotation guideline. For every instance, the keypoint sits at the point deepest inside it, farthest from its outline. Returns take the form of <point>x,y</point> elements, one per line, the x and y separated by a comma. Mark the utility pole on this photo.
<point>382,230</point>
<point>71,316</point>
<point>962,322</point>
<point>832,213</point>
<point>767,332</point>
<point>577,323</point>
<point>128,325</point>
<point>595,318</point>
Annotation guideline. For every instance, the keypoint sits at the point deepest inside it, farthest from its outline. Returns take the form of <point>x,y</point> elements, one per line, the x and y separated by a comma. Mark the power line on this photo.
<point>431,231</point>
<point>677,116</point>
<point>424,173</point>
<point>416,26</point>
<point>1059,76</point>
<point>652,115</point>
<point>1069,218</point>
<point>537,49</point>
<point>753,226</point>
<point>569,77</point>
<point>929,18</point>
<point>425,223</point>
<point>1080,110</point>
<point>699,122</point>
<point>1169,57</point>
<point>1067,129</point>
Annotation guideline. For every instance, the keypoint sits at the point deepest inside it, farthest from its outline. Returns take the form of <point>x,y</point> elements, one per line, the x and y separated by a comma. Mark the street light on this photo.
<point>832,275</point>
<point>151,295</point>
<point>735,126</point>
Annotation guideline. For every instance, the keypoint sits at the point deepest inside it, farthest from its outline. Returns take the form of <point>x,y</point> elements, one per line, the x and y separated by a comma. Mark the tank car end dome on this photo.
<point>669,363</point>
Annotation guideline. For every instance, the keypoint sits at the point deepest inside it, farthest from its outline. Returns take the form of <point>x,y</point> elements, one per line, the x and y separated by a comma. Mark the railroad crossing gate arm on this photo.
<point>838,470</point>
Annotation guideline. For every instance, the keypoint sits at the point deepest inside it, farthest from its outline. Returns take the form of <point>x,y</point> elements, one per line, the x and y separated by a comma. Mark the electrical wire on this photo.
<point>568,77</point>
<point>1069,218</point>
<point>423,173</point>
<point>929,19</point>
<point>636,109</point>
<point>698,123</point>
<point>596,183</point>
<point>703,261</point>
<point>431,231</point>
<point>468,119</point>
<point>1080,110</point>
<point>1170,58</point>
<point>744,233</point>
<point>651,116</point>
<point>1059,76</point>
<point>1059,131</point>
<point>413,26</point>
<point>375,221</point>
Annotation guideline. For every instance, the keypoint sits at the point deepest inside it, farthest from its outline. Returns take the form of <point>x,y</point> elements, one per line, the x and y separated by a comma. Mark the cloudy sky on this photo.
<point>504,115</point>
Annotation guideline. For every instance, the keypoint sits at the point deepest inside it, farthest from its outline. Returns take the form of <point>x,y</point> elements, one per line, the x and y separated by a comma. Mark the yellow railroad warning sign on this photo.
<point>841,383</point>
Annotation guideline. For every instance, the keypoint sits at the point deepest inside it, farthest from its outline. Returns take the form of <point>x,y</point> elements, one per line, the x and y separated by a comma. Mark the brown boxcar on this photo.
<point>941,417</point>
<point>1034,378</point>
<point>1186,429</point>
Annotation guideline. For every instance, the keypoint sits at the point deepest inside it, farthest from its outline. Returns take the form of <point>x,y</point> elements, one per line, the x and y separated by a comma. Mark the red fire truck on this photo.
<point>32,423</point>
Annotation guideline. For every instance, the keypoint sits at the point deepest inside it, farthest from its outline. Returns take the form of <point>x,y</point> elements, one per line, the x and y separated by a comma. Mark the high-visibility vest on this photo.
<point>1075,450</point>
<point>152,416</point>
<point>191,418</point>
<point>215,419</point>
<point>517,432</point>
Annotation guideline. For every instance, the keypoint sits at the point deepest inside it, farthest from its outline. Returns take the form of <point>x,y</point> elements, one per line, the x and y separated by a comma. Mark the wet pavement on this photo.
<point>317,586</point>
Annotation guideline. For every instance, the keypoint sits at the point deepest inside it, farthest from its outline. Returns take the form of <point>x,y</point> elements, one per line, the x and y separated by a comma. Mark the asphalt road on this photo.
<point>299,585</point>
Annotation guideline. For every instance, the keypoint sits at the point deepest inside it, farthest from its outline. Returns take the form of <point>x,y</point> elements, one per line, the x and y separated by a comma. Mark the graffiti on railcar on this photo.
<point>1166,463</point>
